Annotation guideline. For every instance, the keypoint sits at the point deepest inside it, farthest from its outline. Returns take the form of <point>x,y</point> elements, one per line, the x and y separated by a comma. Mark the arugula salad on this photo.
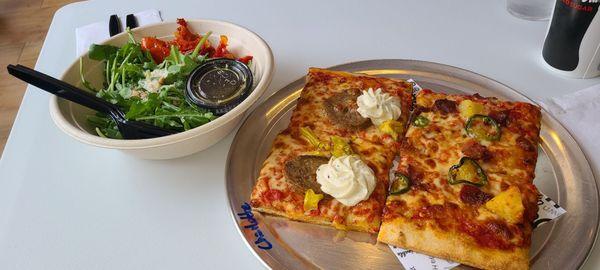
<point>147,80</point>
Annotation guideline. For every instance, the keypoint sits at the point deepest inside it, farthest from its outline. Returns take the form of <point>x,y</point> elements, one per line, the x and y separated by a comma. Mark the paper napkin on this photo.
<point>98,31</point>
<point>579,113</point>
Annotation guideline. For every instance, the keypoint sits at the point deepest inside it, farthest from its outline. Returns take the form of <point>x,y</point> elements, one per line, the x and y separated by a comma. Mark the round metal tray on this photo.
<point>563,173</point>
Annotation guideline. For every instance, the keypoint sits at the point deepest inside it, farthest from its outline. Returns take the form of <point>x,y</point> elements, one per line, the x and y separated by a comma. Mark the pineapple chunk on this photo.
<point>311,200</point>
<point>468,108</point>
<point>392,127</point>
<point>508,205</point>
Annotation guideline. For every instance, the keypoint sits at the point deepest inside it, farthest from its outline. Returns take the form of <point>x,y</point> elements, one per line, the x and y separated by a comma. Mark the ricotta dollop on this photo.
<point>378,106</point>
<point>346,178</point>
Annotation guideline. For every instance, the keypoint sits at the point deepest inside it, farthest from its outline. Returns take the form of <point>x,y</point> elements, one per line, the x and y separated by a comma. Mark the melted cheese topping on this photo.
<point>275,192</point>
<point>323,84</point>
<point>430,151</point>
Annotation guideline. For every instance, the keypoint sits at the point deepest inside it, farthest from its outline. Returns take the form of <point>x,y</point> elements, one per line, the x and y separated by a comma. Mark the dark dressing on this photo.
<point>219,85</point>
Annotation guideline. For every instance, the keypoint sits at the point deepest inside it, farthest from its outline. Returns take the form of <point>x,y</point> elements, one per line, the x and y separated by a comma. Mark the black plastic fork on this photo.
<point>129,129</point>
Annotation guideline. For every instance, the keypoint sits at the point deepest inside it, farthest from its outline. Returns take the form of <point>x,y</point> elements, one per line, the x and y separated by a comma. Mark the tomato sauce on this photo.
<point>492,234</point>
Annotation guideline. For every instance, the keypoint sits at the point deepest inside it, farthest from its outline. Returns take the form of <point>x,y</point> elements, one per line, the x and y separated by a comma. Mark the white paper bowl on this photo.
<point>71,117</point>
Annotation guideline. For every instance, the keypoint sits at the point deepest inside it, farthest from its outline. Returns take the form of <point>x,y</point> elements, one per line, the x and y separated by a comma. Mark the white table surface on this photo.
<point>66,205</point>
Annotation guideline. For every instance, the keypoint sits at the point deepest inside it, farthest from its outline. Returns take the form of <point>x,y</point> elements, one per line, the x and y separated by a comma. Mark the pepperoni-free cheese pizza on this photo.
<point>463,187</point>
<point>331,165</point>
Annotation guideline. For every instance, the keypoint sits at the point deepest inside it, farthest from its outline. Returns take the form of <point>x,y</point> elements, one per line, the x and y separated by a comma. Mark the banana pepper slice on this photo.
<point>311,200</point>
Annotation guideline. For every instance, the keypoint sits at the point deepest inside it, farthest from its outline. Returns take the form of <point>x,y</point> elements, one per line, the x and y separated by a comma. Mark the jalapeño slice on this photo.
<point>421,121</point>
<point>483,127</point>
<point>401,184</point>
<point>467,171</point>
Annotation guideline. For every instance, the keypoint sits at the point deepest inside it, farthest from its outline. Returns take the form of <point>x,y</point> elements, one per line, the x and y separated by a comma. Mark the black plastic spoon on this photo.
<point>128,128</point>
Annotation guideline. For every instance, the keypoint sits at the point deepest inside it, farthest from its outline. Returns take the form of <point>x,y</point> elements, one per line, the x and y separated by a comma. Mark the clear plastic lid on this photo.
<point>219,85</point>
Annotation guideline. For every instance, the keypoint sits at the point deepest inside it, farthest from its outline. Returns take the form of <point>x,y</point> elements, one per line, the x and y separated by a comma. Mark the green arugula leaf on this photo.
<point>124,91</point>
<point>84,82</point>
<point>125,69</point>
<point>102,52</point>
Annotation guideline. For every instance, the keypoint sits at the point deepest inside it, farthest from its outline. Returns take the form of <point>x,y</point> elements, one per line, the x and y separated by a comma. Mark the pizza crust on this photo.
<point>360,227</point>
<point>450,246</point>
<point>303,218</point>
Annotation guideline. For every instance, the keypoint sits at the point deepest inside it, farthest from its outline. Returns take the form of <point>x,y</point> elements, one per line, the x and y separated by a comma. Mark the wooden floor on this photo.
<point>23,27</point>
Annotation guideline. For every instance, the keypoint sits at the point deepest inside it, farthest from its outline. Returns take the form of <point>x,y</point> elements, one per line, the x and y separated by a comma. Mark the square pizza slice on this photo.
<point>287,183</point>
<point>335,103</point>
<point>464,189</point>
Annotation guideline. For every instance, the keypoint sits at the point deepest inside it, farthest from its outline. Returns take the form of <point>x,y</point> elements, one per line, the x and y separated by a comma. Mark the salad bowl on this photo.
<point>71,118</point>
